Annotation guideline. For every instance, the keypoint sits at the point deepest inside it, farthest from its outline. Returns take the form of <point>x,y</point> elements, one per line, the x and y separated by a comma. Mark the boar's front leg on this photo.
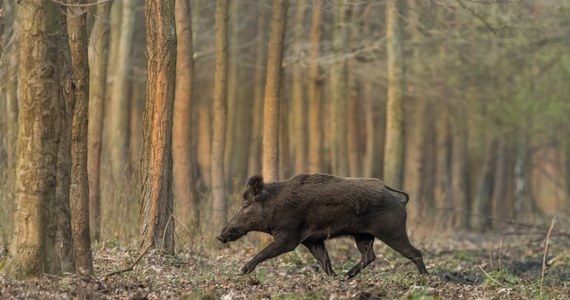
<point>317,248</point>
<point>277,247</point>
<point>364,242</point>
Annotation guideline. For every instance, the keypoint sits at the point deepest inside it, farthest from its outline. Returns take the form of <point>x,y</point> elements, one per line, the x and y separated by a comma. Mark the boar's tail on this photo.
<point>404,201</point>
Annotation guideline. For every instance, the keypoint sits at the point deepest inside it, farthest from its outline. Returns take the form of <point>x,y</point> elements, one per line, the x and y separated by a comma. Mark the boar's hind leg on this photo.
<point>364,242</point>
<point>317,248</point>
<point>399,241</point>
<point>276,248</point>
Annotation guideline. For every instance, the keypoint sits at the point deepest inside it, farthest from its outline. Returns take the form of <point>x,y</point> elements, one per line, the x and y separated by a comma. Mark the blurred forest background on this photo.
<point>486,106</point>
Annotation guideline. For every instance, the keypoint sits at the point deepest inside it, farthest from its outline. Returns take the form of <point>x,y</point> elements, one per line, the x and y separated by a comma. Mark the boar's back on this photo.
<point>322,191</point>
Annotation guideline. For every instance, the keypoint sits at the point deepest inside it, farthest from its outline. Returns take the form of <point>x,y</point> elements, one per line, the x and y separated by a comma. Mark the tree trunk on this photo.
<point>79,189</point>
<point>394,146</point>
<point>119,104</point>
<point>183,154</point>
<point>314,118</point>
<point>64,236</point>
<point>259,80</point>
<point>219,202</point>
<point>500,208</point>
<point>157,228</point>
<point>9,99</point>
<point>368,159</point>
<point>98,56</point>
<point>486,187</point>
<point>272,88</point>
<point>354,141</point>
<point>232,96</point>
<point>10,58</point>
<point>524,205</point>
<point>442,188</point>
<point>338,84</point>
<point>298,110</point>
<point>32,250</point>
<point>427,169</point>
<point>459,167</point>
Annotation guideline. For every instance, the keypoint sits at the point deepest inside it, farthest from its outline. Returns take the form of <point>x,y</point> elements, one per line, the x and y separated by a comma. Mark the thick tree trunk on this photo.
<point>32,250</point>
<point>183,154</point>
<point>119,104</point>
<point>314,117</point>
<point>219,202</point>
<point>272,91</point>
<point>394,146</point>
<point>79,188</point>
<point>157,228</point>
<point>338,84</point>
<point>98,56</point>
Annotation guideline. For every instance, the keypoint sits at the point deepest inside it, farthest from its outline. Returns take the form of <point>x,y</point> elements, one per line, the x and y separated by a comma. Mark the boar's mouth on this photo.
<point>229,235</point>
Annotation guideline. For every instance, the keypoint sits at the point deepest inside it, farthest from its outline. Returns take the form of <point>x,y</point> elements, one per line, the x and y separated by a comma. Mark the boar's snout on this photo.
<point>230,234</point>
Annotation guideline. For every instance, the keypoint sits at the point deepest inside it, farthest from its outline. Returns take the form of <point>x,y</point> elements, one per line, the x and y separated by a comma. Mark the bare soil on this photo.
<point>464,266</point>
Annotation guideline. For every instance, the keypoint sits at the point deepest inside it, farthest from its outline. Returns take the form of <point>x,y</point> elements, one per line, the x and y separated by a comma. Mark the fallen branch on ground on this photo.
<point>132,266</point>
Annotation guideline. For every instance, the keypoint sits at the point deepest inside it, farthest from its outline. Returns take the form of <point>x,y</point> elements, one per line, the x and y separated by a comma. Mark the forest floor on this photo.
<point>461,266</point>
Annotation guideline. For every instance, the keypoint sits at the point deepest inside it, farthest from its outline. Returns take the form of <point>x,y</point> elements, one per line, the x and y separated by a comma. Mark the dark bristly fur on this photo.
<point>310,208</point>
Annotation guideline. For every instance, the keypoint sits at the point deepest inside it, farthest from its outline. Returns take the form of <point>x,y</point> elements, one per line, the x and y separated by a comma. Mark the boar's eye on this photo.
<point>245,204</point>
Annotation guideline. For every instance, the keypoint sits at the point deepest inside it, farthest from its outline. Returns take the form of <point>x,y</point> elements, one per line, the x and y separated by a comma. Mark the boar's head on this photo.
<point>251,215</point>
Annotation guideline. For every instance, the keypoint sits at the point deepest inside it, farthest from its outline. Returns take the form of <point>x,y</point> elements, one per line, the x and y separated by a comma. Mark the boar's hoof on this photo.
<point>246,269</point>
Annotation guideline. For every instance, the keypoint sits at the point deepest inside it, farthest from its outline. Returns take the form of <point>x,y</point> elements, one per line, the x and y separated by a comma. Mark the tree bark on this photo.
<point>79,188</point>
<point>394,146</point>
<point>314,118</point>
<point>32,250</point>
<point>219,202</point>
<point>98,56</point>
<point>157,228</point>
<point>119,104</point>
<point>270,165</point>
<point>183,152</point>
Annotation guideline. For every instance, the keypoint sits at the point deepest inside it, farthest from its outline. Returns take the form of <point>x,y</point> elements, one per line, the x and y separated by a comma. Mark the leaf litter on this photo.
<point>465,266</point>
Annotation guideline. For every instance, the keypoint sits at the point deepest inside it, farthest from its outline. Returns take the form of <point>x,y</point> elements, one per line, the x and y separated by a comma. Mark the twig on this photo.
<point>180,223</point>
<point>546,251</point>
<point>131,267</point>
<point>487,274</point>
<point>476,15</point>
<point>500,254</point>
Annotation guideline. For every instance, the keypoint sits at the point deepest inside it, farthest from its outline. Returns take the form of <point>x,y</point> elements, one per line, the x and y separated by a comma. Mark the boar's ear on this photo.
<point>255,184</point>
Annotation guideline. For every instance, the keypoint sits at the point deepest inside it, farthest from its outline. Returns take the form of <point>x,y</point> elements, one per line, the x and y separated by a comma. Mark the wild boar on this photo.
<point>310,208</point>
